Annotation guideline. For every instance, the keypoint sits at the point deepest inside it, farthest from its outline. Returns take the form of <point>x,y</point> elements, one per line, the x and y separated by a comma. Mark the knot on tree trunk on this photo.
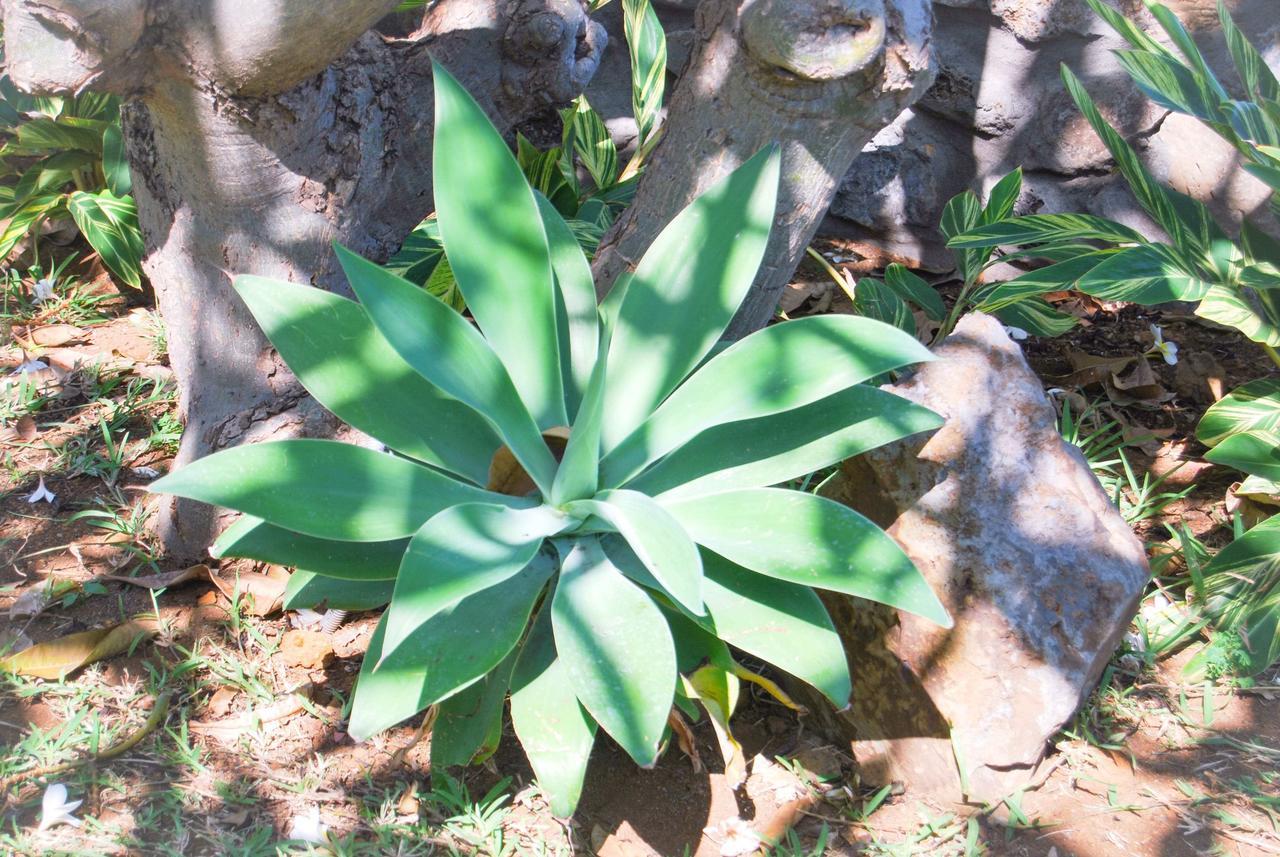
<point>816,40</point>
<point>551,50</point>
<point>56,46</point>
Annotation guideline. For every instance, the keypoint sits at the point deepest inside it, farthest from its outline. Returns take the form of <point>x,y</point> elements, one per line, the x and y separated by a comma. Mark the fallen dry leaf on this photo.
<point>164,580</point>
<point>24,430</point>
<point>54,335</point>
<point>684,737</point>
<point>58,658</point>
<point>1199,377</point>
<point>229,731</point>
<point>262,594</point>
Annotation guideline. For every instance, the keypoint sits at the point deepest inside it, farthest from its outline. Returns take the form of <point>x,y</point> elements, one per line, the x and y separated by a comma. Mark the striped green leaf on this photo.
<point>1230,307</point>
<point>1257,76</point>
<point>1038,228</point>
<point>110,224</point>
<point>647,45</point>
<point>1146,274</point>
<point>912,288</point>
<point>1060,276</point>
<point>1254,452</point>
<point>1255,407</point>
<point>592,142</point>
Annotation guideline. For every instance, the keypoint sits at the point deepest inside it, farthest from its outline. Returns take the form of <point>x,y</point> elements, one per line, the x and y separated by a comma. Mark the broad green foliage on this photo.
<point>1016,302</point>
<point>573,207</point>
<point>1236,283</point>
<point>63,158</point>
<point>610,590</point>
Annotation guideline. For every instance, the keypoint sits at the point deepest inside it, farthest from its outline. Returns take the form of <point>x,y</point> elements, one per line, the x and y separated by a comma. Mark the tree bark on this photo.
<point>821,77</point>
<point>261,132</point>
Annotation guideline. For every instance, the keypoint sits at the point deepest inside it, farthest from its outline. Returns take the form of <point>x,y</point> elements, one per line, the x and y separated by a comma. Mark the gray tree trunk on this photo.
<point>821,77</point>
<point>259,133</point>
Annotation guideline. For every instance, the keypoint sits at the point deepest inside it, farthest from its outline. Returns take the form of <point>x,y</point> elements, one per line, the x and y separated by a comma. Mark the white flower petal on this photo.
<point>31,365</point>
<point>309,828</point>
<point>1170,352</point>
<point>42,290</point>
<point>1016,333</point>
<point>43,493</point>
<point>56,809</point>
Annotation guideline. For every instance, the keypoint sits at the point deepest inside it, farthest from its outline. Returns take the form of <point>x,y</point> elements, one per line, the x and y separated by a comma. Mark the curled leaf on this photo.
<point>58,658</point>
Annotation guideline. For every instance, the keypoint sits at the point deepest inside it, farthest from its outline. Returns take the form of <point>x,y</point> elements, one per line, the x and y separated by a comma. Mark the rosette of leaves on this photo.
<point>597,575</point>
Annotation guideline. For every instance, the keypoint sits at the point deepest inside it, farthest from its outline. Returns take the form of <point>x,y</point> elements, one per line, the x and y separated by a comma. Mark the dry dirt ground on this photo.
<point>213,728</point>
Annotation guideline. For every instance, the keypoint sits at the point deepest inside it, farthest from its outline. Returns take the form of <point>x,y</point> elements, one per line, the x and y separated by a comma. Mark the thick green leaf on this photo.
<point>1254,406</point>
<point>771,450</point>
<point>497,247</point>
<point>110,224</point>
<point>777,369</point>
<point>310,590</point>
<point>554,729</point>
<point>446,350</point>
<point>810,540</point>
<point>469,724</point>
<point>325,489</point>
<point>782,623</point>
<point>254,538</point>
<point>1253,452</point>
<point>459,552</point>
<point>578,475</point>
<point>1038,228</point>
<point>447,654</point>
<point>1146,274</point>
<point>657,539</point>
<point>685,290</point>
<point>912,288</point>
<point>615,648</point>
<point>578,324</point>
<point>339,356</point>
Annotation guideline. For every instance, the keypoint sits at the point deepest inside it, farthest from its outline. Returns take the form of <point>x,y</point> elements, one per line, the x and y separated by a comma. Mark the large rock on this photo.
<point>1018,539</point>
<point>998,103</point>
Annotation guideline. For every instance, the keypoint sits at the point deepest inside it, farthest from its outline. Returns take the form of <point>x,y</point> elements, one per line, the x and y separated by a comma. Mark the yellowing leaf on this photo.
<point>58,658</point>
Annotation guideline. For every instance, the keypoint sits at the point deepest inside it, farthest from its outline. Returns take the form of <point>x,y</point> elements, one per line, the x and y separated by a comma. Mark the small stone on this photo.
<point>309,649</point>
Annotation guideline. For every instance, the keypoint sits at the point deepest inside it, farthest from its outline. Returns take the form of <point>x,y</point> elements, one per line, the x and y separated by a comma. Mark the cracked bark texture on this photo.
<point>261,131</point>
<point>821,77</point>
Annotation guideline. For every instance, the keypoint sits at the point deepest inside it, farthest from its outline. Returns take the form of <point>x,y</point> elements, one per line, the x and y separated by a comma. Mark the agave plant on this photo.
<point>610,586</point>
